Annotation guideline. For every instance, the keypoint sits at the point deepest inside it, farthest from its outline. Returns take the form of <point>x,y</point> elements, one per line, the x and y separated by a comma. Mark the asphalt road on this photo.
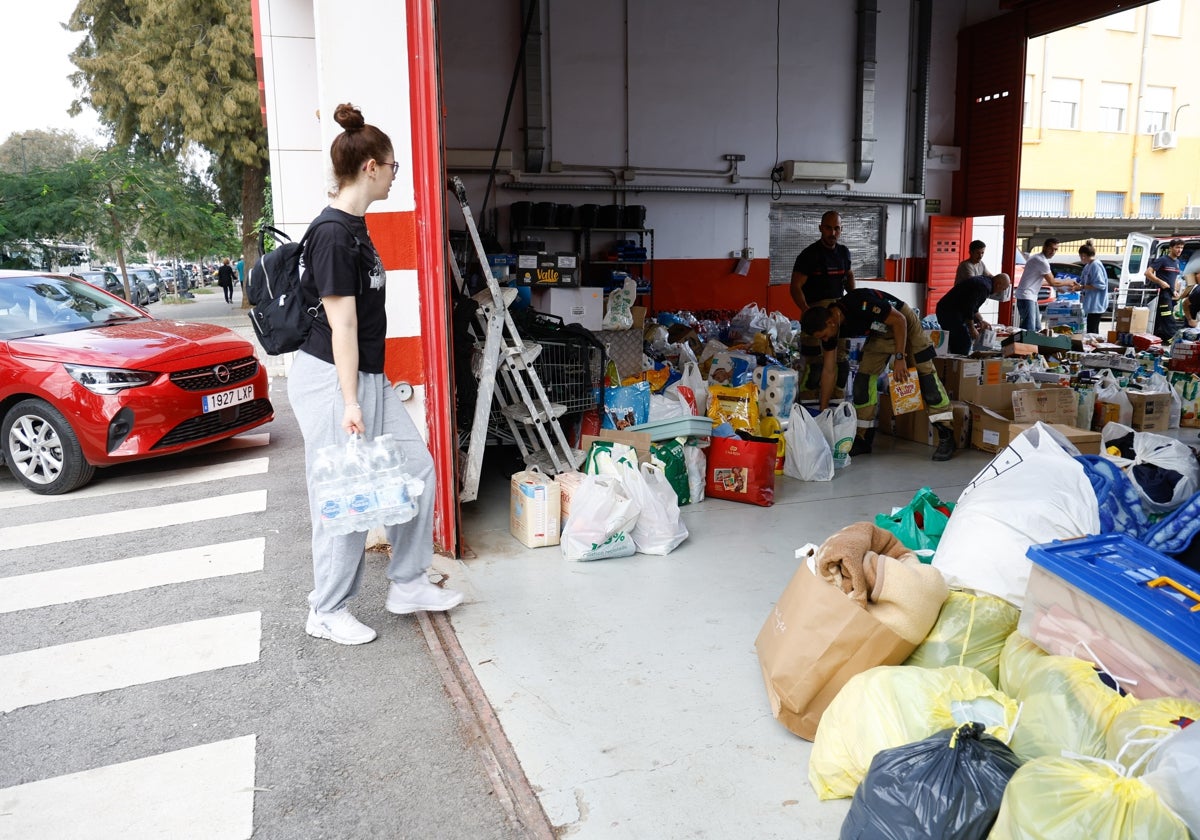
<point>349,742</point>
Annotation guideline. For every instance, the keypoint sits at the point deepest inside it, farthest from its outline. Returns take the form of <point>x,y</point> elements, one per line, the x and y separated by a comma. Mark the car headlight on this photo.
<point>102,380</point>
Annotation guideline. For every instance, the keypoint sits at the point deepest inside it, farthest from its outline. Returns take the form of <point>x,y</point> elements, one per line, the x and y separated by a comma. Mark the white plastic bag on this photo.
<point>839,423</point>
<point>1158,384</point>
<point>807,455</point>
<point>1172,772</point>
<point>618,312</point>
<point>659,528</point>
<point>696,462</point>
<point>1109,390</point>
<point>668,405</point>
<point>602,517</point>
<point>1032,492</point>
<point>1159,451</point>
<point>691,378</point>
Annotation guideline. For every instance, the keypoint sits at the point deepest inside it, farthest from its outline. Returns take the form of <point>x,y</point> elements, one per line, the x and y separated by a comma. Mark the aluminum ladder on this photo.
<point>507,360</point>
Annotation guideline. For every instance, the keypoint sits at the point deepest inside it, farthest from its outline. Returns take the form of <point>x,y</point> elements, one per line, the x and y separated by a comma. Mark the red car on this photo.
<point>87,381</point>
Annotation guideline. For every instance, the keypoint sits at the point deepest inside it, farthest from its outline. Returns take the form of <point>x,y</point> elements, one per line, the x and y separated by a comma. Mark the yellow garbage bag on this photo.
<point>1017,658</point>
<point>1066,705</point>
<point>890,706</point>
<point>1070,799</point>
<point>971,630</point>
<point>1138,729</point>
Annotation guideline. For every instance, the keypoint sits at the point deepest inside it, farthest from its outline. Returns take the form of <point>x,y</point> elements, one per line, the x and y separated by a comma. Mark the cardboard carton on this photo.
<point>1151,412</point>
<point>534,509</point>
<point>583,306</point>
<point>638,440</point>
<point>1049,405</point>
<point>568,483</point>
<point>997,397</point>
<point>956,370</point>
<point>1085,440</point>
<point>915,426</point>
<point>990,429</point>
<point>1133,319</point>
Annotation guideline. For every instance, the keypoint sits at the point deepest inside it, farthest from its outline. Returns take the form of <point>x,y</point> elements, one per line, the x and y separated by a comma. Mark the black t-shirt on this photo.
<point>826,270</point>
<point>865,311</point>
<point>963,301</point>
<point>1193,300</point>
<point>1166,268</point>
<point>336,265</point>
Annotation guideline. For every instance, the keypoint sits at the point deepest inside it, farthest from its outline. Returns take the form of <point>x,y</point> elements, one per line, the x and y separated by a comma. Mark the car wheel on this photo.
<point>42,450</point>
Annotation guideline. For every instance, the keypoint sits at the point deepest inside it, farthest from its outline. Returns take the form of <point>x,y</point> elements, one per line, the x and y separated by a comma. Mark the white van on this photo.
<point>1140,249</point>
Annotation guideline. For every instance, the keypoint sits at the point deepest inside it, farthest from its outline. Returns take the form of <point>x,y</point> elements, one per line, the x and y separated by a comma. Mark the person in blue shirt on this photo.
<point>1094,283</point>
<point>1163,273</point>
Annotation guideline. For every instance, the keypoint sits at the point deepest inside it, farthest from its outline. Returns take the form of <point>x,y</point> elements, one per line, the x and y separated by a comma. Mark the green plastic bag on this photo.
<point>920,523</point>
<point>668,454</point>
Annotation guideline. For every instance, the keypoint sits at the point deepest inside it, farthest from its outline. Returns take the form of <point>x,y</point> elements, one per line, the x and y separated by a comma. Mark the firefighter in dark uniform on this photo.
<point>821,275</point>
<point>893,332</point>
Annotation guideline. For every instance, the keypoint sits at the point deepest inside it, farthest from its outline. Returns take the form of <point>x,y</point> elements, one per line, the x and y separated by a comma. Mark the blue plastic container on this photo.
<point>1115,601</point>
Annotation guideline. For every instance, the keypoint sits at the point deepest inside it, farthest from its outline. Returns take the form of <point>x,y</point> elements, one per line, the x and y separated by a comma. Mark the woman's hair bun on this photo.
<point>349,117</point>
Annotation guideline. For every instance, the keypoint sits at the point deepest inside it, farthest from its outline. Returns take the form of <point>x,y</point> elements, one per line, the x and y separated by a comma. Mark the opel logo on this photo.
<point>222,373</point>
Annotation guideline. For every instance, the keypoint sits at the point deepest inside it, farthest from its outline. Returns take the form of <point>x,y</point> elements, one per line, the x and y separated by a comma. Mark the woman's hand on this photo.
<point>352,420</point>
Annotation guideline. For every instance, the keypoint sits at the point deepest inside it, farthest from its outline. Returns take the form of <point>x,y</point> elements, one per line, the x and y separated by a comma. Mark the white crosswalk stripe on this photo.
<point>127,521</point>
<point>112,662</point>
<point>98,580</point>
<point>154,483</point>
<point>204,792</point>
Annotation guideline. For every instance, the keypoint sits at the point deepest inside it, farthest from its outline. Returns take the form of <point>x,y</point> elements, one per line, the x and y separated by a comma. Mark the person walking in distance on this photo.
<point>225,280</point>
<point>337,388</point>
<point>822,274</point>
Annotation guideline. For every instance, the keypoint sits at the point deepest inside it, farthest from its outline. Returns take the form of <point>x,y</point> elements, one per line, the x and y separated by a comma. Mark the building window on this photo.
<point>1150,204</point>
<point>1027,106</point>
<point>1156,108</point>
<point>1062,111</point>
<point>1164,16</point>
<point>1044,203</point>
<point>1125,21</point>
<point>1110,205</point>
<point>1114,99</point>
<point>793,227</point>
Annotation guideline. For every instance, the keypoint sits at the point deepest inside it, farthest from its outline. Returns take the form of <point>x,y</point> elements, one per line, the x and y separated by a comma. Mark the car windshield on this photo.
<point>45,304</point>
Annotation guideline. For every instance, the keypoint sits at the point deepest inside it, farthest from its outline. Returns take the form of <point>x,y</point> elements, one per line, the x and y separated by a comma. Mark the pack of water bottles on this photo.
<point>361,485</point>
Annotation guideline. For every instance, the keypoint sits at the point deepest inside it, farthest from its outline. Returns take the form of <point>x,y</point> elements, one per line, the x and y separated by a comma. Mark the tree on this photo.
<point>168,73</point>
<point>118,201</point>
<point>29,151</point>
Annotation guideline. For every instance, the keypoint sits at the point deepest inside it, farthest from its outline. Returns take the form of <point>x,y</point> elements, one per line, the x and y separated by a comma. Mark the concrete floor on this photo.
<point>630,688</point>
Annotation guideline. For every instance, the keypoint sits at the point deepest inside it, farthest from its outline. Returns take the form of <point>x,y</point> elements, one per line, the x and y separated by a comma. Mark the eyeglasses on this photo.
<point>395,164</point>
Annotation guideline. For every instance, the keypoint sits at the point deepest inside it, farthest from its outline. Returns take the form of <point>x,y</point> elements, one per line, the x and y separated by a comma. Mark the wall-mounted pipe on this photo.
<point>921,66</point>
<point>864,118</point>
<point>535,88</point>
<point>845,195</point>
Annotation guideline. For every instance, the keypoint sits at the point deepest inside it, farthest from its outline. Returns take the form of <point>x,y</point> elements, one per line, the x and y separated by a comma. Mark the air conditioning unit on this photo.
<point>1164,140</point>
<point>814,170</point>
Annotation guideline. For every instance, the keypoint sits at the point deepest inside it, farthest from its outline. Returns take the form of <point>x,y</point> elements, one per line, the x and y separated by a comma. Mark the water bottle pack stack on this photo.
<point>364,485</point>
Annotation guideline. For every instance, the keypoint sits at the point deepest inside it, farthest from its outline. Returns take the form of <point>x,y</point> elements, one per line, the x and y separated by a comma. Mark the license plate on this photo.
<point>215,402</point>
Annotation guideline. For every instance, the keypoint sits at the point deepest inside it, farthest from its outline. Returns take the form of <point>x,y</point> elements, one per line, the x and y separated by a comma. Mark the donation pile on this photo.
<point>1038,675</point>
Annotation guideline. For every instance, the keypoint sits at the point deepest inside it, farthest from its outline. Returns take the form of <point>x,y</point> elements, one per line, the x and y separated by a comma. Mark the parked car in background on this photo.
<point>149,278</point>
<point>110,281</point>
<point>88,381</point>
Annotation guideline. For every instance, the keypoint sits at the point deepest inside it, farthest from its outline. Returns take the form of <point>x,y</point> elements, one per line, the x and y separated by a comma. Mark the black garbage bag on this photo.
<point>948,785</point>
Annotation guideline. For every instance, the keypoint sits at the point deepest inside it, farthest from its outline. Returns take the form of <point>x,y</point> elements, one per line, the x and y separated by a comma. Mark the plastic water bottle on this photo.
<point>327,483</point>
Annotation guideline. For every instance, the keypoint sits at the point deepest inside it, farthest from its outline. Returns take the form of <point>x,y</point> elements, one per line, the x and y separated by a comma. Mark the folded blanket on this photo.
<point>839,560</point>
<point>907,595</point>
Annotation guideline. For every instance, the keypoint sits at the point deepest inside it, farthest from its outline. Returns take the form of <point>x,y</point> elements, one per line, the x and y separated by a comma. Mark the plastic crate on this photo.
<point>1120,604</point>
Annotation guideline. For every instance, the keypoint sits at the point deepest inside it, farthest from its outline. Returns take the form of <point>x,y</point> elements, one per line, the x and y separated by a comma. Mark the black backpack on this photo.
<point>281,310</point>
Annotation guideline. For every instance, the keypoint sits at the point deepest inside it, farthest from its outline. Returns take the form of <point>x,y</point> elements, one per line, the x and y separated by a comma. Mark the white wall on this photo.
<point>702,83</point>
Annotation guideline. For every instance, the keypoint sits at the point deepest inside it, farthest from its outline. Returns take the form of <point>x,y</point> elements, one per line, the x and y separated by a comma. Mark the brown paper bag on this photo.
<point>812,643</point>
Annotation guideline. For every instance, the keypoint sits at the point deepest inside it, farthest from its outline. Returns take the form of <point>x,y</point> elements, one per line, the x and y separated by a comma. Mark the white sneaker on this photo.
<point>339,626</point>
<point>420,595</point>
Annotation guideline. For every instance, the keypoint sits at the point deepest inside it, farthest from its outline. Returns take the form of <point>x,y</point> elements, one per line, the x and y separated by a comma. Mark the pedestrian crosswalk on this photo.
<point>203,791</point>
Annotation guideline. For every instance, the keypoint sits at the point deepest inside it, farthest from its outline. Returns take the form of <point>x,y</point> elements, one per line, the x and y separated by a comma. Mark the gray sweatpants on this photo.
<point>338,558</point>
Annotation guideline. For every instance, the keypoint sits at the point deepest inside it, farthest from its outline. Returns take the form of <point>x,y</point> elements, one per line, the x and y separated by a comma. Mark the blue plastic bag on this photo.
<point>626,405</point>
